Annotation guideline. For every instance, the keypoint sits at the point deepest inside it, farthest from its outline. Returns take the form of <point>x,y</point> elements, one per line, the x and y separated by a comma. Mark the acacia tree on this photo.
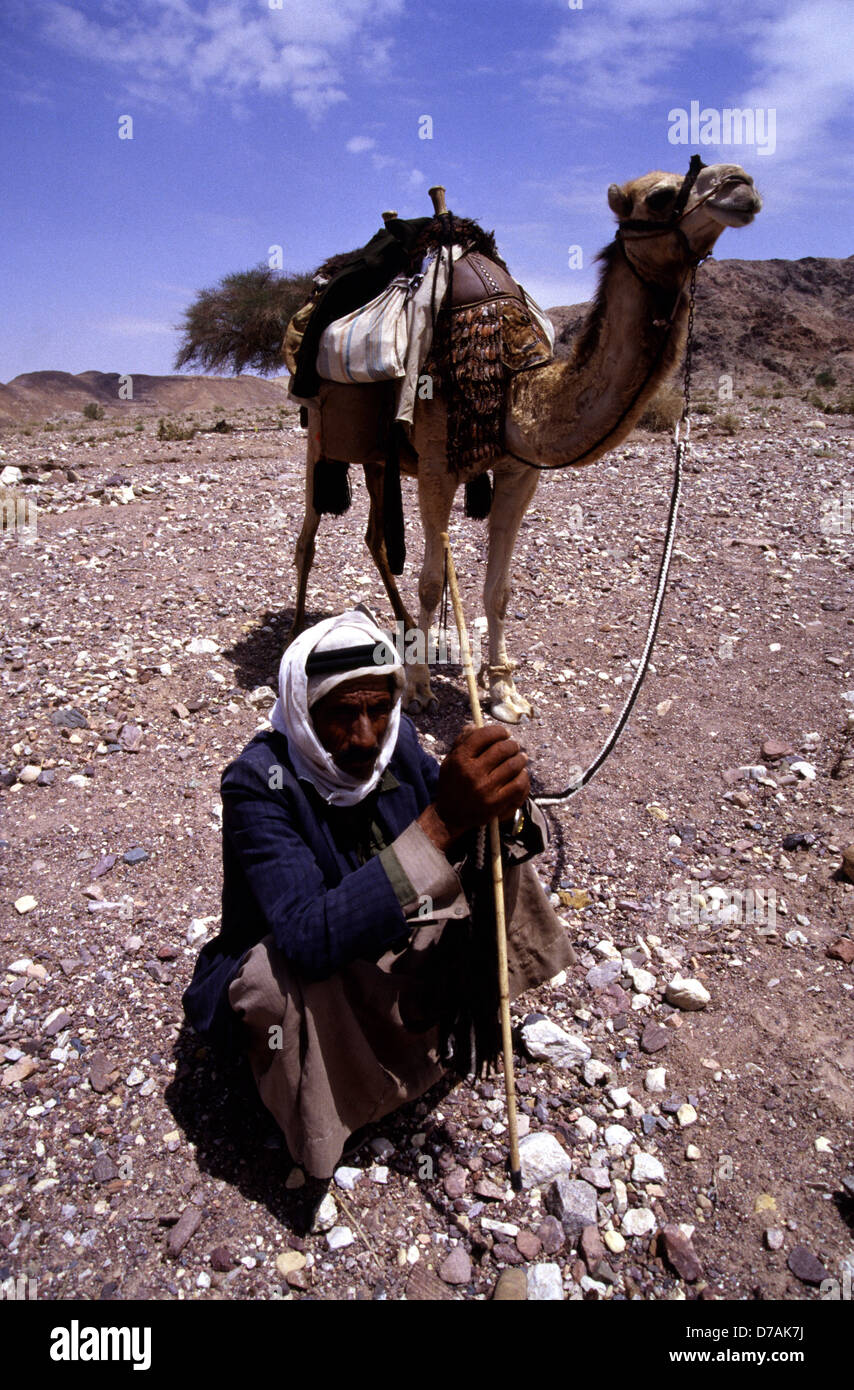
<point>241,322</point>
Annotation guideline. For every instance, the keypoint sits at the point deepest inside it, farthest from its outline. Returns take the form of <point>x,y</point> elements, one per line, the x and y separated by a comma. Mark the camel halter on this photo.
<point>681,439</point>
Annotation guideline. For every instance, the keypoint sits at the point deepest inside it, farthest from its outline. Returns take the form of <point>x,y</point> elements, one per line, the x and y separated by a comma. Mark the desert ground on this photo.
<point>705,1151</point>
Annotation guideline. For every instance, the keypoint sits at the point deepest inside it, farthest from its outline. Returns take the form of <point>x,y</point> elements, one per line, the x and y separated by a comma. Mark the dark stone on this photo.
<point>188,1223</point>
<point>680,1254</point>
<point>654,1037</point>
<point>46,777</point>
<point>805,1266</point>
<point>56,1025</point>
<point>69,718</point>
<point>105,1169</point>
<point>135,855</point>
<point>551,1234</point>
<point>222,1259</point>
<point>103,866</point>
<point>798,840</point>
<point>99,1072</point>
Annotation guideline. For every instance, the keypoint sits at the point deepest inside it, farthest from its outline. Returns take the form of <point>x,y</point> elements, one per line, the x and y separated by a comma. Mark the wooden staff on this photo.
<point>498,887</point>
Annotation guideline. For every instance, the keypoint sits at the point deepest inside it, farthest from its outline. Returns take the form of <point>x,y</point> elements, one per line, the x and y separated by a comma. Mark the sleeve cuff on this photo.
<point>426,885</point>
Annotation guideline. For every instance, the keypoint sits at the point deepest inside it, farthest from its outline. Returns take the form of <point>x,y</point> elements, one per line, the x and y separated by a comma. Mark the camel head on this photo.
<point>723,195</point>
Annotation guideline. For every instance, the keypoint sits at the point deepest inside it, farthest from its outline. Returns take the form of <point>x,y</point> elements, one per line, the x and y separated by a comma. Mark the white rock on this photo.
<point>595,1072</point>
<point>261,695</point>
<point>29,773</point>
<point>640,1001</point>
<point>687,994</point>
<point>347,1178</point>
<point>655,1081</point>
<point>339,1237</point>
<point>135,1077</point>
<point>640,1221</point>
<point>586,1127</point>
<point>500,1228</point>
<point>620,1096</point>
<point>618,1137</point>
<point>589,1285</point>
<point>614,1242</point>
<point>804,769</point>
<point>196,932</point>
<point>377,1173</point>
<point>11,474</point>
<point>25,904</point>
<point>607,949</point>
<point>647,1168</point>
<point>621,1196</point>
<point>545,1042</point>
<point>686,1115</point>
<point>542,1158</point>
<point>326,1214</point>
<point>643,981</point>
<point>545,1283</point>
<point>201,646</point>
<point>19,967</point>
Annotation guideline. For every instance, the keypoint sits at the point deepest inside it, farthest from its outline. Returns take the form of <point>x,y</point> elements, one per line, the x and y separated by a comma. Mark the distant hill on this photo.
<point>764,320</point>
<point>40,395</point>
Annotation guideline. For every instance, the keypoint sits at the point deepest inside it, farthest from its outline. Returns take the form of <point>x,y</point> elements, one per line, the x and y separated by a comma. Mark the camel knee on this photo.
<point>496,597</point>
<point>429,592</point>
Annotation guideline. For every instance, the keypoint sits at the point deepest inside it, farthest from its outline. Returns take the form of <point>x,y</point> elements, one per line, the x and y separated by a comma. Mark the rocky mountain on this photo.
<point>40,395</point>
<point>766,322</point>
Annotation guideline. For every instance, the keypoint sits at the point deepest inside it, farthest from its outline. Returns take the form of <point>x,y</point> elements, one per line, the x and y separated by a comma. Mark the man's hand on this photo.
<point>484,776</point>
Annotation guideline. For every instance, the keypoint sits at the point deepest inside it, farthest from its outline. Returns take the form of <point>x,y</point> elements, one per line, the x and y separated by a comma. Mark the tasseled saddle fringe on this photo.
<point>473,382</point>
<point>331,493</point>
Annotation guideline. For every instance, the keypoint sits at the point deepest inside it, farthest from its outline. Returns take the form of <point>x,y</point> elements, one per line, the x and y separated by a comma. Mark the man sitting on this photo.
<point>338,966</point>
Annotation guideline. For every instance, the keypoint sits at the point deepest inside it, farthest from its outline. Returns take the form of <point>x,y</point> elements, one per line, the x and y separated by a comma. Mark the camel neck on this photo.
<point>580,408</point>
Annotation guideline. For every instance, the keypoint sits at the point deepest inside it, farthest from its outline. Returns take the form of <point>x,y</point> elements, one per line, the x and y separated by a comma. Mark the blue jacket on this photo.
<point>286,873</point>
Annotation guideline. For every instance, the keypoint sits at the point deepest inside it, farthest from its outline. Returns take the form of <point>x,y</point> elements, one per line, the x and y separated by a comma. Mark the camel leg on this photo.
<point>436,488</point>
<point>304,553</point>
<point>375,541</point>
<point>514,487</point>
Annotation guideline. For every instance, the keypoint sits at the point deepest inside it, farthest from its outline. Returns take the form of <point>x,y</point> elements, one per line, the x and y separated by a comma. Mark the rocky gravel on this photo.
<point>686,1091</point>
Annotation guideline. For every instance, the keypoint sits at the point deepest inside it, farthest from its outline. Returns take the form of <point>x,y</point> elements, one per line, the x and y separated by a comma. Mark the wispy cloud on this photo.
<point>792,55</point>
<point>169,50</point>
<point>410,179</point>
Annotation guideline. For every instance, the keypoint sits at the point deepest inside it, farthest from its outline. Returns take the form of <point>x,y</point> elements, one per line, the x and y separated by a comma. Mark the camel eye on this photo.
<point>660,198</point>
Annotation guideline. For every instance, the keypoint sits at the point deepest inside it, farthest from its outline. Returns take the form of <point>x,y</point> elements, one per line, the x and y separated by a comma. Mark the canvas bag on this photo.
<point>369,344</point>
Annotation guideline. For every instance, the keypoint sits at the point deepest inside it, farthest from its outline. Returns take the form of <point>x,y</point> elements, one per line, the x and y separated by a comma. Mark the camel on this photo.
<point>570,411</point>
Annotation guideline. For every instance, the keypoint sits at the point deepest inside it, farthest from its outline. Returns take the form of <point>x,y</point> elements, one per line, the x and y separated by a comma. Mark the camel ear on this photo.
<point>618,202</point>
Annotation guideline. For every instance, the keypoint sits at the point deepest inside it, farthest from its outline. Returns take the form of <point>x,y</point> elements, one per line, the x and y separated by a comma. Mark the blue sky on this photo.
<point>294,123</point>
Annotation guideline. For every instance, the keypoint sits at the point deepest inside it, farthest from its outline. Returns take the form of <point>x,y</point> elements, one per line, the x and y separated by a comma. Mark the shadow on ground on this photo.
<point>214,1102</point>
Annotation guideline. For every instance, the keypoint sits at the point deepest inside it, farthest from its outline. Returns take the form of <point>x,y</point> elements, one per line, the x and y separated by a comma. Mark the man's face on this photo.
<point>351,722</point>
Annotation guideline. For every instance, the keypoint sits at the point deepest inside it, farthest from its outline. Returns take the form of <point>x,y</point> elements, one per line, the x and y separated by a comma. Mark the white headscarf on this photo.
<point>297,692</point>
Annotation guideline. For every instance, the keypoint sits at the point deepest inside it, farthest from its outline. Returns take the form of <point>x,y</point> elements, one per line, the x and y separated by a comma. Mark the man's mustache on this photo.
<point>356,760</point>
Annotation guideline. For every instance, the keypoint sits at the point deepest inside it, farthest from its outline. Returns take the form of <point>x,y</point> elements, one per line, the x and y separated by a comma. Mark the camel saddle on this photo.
<point>527,336</point>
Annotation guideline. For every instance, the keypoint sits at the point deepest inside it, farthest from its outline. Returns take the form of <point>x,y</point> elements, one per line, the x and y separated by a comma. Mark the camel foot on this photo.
<point>419,704</point>
<point>509,706</point>
<point>418,697</point>
<point>507,713</point>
